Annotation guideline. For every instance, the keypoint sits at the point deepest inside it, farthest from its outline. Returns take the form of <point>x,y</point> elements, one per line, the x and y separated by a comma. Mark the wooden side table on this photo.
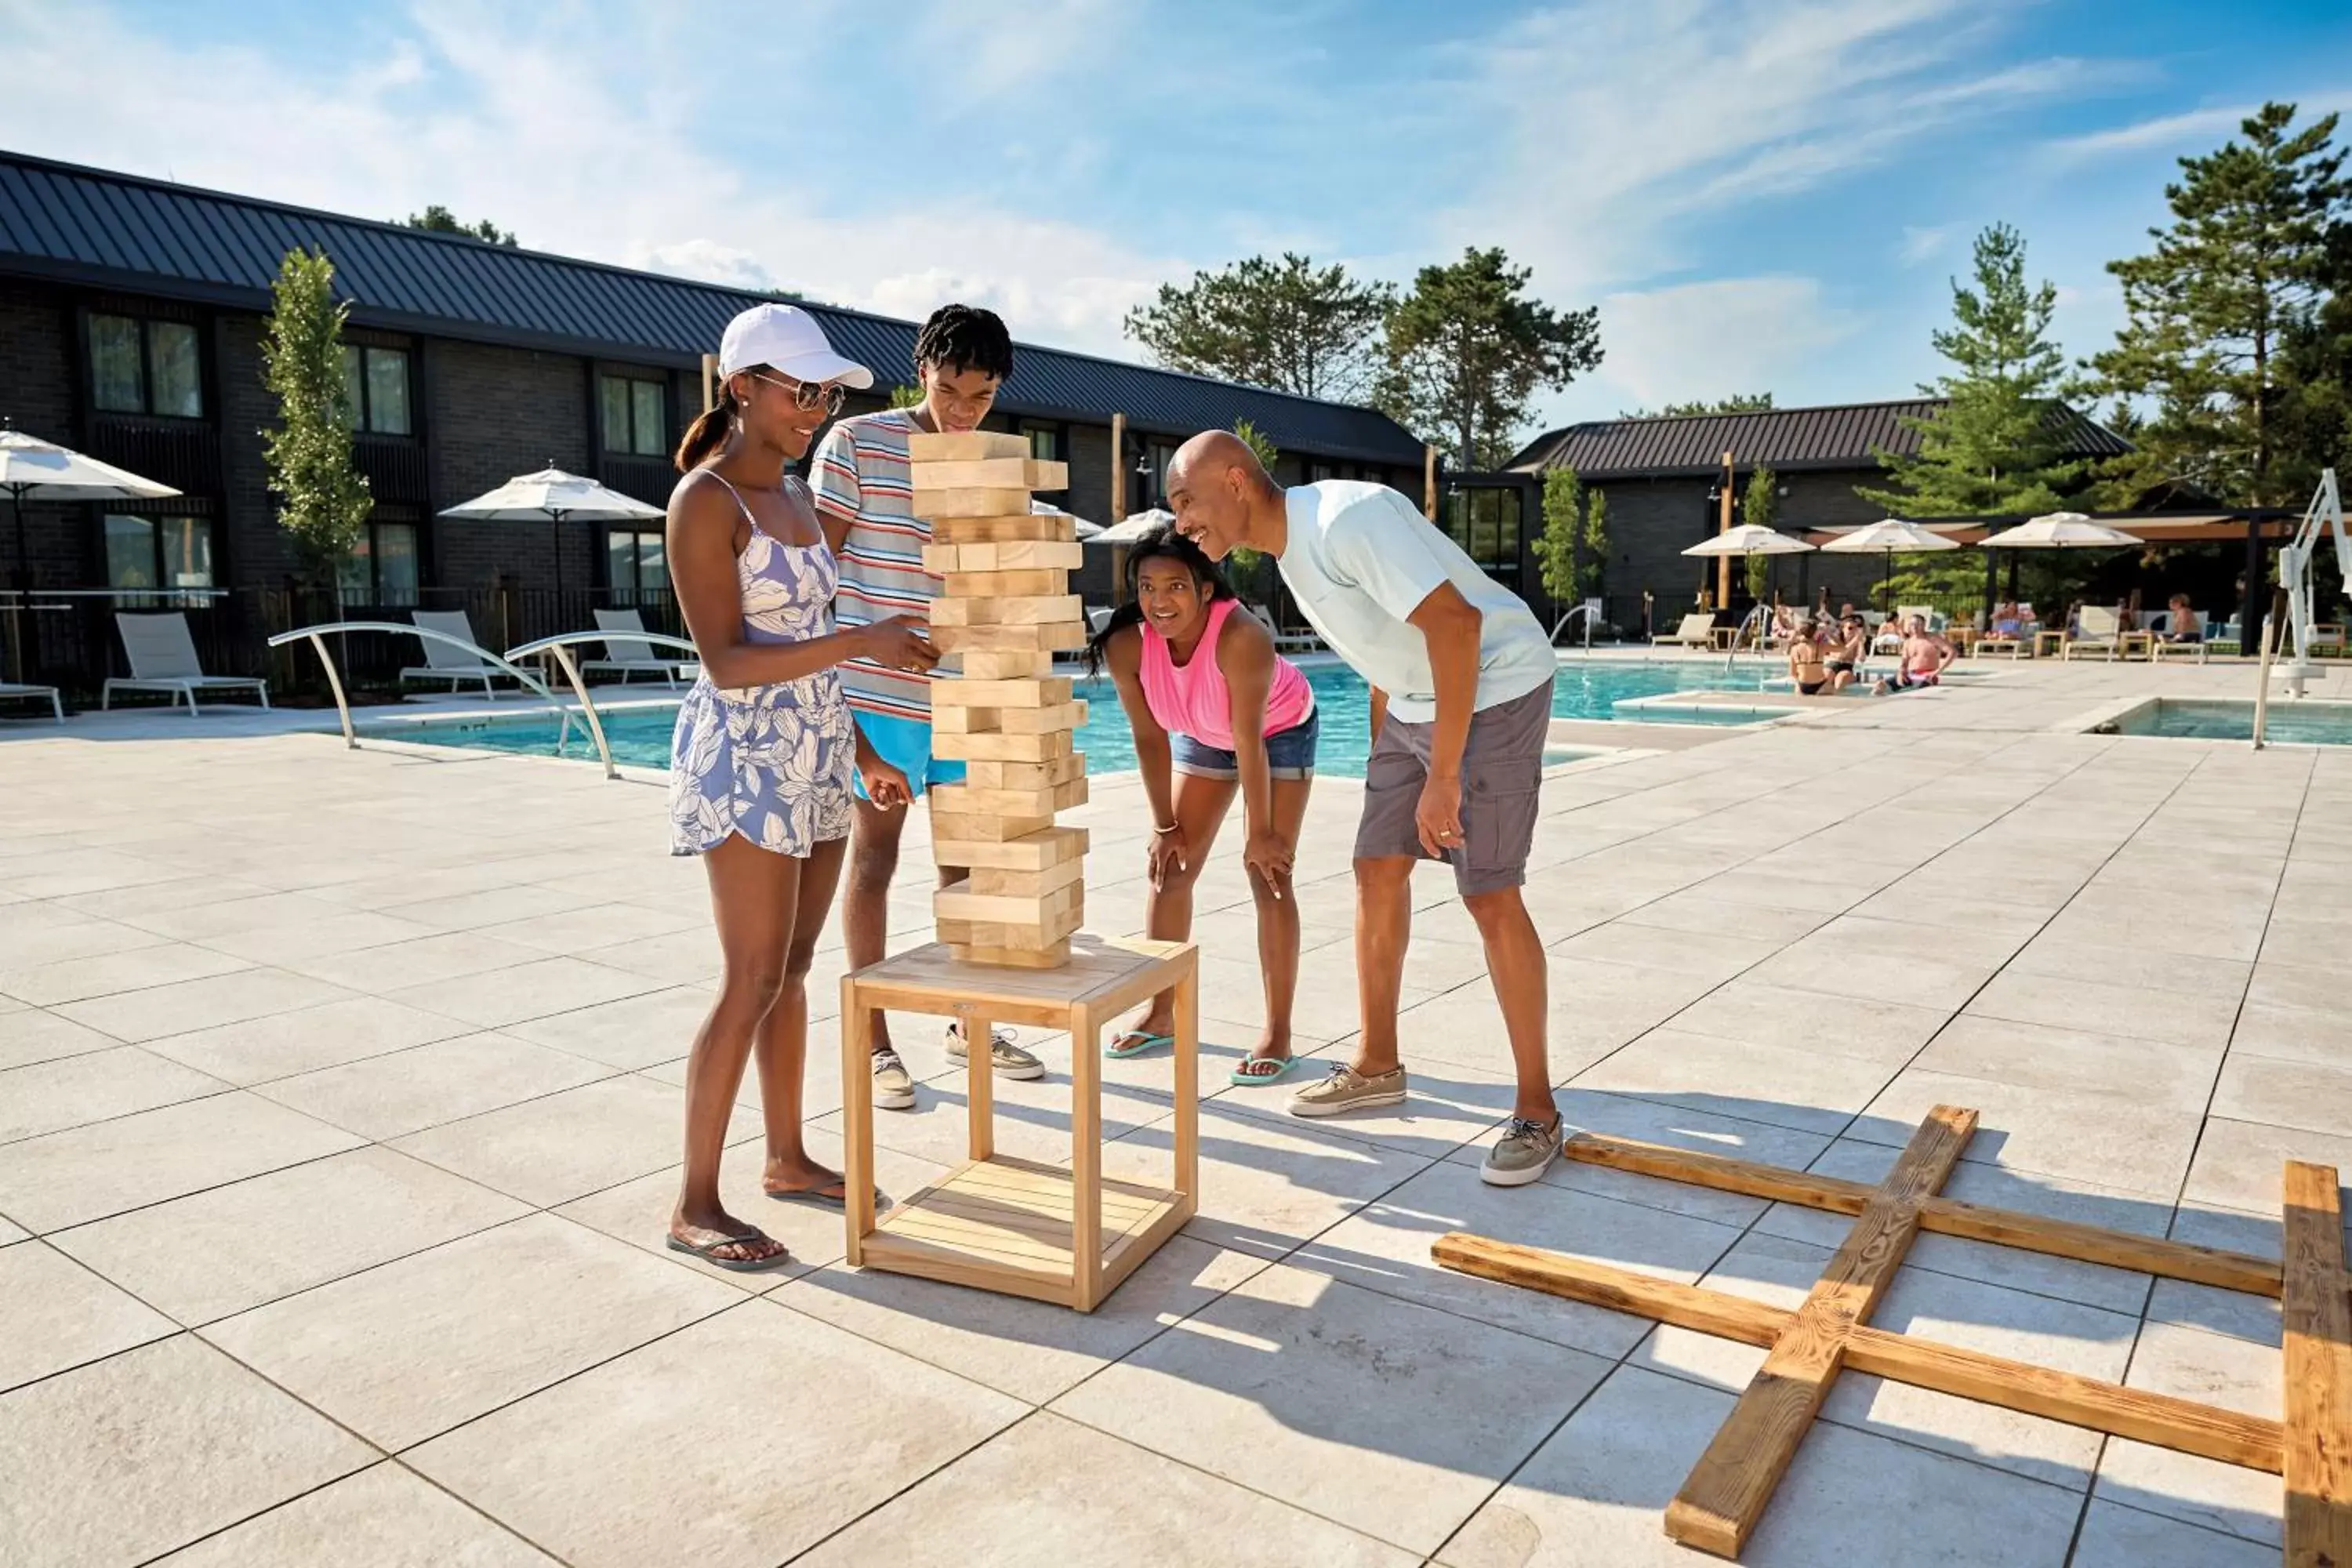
<point>2047,643</point>
<point>1004,1224</point>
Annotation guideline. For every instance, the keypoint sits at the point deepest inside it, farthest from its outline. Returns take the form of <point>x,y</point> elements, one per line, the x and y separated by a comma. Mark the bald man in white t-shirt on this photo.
<point>1461,675</point>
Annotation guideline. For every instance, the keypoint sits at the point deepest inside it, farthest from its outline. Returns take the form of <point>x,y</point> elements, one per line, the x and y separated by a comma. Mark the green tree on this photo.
<point>1563,524</point>
<point>1996,444</point>
<point>1759,506</point>
<point>1256,441</point>
<point>2214,312</point>
<point>1592,553</point>
<point>1467,352</point>
<point>1737,403</point>
<point>438,220</point>
<point>1290,325</point>
<point>323,500</point>
<point>902,396</point>
<point>1247,569</point>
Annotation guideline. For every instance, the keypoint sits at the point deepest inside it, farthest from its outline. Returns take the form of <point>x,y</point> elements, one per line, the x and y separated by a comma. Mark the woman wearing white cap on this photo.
<point>761,764</point>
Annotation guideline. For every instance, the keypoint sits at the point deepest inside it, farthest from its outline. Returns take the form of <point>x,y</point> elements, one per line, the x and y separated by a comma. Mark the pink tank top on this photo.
<point>1192,698</point>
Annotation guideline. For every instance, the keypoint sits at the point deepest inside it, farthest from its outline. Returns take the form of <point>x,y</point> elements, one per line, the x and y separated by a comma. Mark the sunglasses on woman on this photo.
<point>830,396</point>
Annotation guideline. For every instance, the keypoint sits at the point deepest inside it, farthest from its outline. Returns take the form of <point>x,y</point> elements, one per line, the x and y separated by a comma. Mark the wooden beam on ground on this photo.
<point>1945,1216</point>
<point>2155,1418</point>
<point>1726,1493</point>
<point>2316,1317</point>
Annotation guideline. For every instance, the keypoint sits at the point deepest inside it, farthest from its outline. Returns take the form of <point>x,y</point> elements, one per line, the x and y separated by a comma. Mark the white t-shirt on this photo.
<point>1361,559</point>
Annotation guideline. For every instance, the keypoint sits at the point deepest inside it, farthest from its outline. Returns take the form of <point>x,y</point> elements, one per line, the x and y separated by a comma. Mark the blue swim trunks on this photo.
<point>905,745</point>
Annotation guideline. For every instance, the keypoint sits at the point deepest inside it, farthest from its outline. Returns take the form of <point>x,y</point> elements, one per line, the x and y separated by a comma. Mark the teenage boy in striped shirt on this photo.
<point>864,496</point>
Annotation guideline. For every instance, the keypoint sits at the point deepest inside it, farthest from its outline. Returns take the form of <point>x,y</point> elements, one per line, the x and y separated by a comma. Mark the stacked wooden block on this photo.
<point>1005,610</point>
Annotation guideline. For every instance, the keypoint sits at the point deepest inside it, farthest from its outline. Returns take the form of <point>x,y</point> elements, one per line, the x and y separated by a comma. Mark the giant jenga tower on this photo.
<point>1005,611</point>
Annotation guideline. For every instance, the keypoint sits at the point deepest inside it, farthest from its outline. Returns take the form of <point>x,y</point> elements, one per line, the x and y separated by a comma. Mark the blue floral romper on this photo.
<point>772,763</point>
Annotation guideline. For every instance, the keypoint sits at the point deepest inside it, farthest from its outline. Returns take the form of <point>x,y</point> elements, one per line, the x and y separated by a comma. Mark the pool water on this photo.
<point>2305,722</point>
<point>641,736</point>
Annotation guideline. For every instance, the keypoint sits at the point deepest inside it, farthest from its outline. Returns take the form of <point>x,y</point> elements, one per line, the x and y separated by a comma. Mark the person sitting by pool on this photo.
<point>1805,666</point>
<point>2006,622</point>
<point>1212,704</point>
<point>1849,645</point>
<point>1925,657</point>
<point>2181,627</point>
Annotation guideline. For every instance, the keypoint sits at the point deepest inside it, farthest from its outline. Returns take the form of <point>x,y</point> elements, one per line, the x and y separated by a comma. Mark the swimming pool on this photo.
<point>640,736</point>
<point>2305,722</point>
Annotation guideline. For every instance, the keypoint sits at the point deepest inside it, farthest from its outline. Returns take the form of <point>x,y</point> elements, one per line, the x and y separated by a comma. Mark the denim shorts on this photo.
<point>1289,754</point>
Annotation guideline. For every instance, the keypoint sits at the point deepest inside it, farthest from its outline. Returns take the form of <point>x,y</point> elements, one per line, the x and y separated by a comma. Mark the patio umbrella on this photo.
<point>1895,537</point>
<point>1749,539</point>
<point>1086,531</point>
<point>1131,530</point>
<point>554,494</point>
<point>2061,530</point>
<point>33,468</point>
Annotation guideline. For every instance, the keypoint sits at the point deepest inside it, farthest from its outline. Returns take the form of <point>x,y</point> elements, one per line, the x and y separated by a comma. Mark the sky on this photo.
<point>1757,196</point>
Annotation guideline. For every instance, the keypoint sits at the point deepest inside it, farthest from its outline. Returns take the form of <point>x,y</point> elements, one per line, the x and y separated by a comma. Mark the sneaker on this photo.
<point>894,1087</point>
<point>1347,1090</point>
<point>1011,1060</point>
<point>1523,1150</point>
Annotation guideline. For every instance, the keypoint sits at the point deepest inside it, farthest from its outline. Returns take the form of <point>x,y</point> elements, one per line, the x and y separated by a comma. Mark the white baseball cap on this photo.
<point>788,339</point>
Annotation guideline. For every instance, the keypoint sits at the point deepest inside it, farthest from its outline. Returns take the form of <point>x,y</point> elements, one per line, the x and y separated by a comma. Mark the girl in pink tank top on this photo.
<point>1215,713</point>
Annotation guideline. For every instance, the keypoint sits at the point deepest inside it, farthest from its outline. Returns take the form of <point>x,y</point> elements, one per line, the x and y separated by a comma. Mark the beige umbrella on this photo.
<point>1749,539</point>
<point>1894,536</point>
<point>2061,530</point>
<point>32,468</point>
<point>555,495</point>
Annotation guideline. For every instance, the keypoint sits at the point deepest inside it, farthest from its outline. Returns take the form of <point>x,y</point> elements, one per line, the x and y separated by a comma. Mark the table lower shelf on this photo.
<point>1005,1225</point>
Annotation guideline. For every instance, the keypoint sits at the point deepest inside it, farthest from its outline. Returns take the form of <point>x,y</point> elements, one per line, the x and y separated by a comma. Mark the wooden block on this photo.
<point>1725,1495</point>
<point>953,902</point>
<point>965,826</point>
<point>964,445</point>
<point>990,882</point>
<point>968,503</point>
<point>990,747</point>
<point>2316,1317</point>
<point>1021,526</point>
<point>1022,805</point>
<point>1024,666</point>
<point>1044,774</point>
<point>1045,609</point>
<point>1051,692</point>
<point>1059,635</point>
<point>1039,584</point>
<point>1021,473</point>
<point>1014,556</point>
<point>1034,852</point>
<point>1051,956</point>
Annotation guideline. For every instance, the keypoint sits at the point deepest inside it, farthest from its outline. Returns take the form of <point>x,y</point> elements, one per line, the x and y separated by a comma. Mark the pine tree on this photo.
<point>2214,310</point>
<point>1467,350</point>
<point>1592,546</point>
<point>323,499</point>
<point>1289,325</point>
<point>1996,444</point>
<point>1737,403</point>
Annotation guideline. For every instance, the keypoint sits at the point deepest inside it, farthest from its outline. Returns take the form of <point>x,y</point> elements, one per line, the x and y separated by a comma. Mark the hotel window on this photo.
<point>634,422</point>
<point>139,366</point>
<point>376,386</point>
<point>382,567</point>
<point>1485,523</point>
<point>158,552</point>
<point>636,568</point>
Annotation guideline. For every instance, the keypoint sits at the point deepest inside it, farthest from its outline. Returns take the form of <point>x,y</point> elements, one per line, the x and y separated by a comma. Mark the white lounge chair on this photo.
<point>163,659</point>
<point>625,655</point>
<point>457,665</point>
<point>1098,617</point>
<point>2100,630</point>
<point>2159,649</point>
<point>35,693</point>
<point>1696,631</point>
<point>1284,642</point>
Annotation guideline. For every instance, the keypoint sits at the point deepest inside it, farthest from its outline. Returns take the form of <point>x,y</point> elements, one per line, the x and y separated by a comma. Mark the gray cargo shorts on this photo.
<point>1502,770</point>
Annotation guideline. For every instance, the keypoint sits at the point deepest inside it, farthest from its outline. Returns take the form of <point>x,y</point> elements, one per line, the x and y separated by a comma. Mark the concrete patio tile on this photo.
<point>2241,1165</point>
<point>1447,1104</point>
<point>552,1150</point>
<point>1712,955</point>
<point>525,990</point>
<point>385,1516</point>
<point>1923,979</point>
<point>642,1459</point>
<point>380,971</point>
<point>235,1247</point>
<point>1388,1418</point>
<point>2132,1070</point>
<point>2116,963</point>
<point>2132,1012</point>
<point>411,1349</point>
<point>1752,1012</point>
<point>1384,1247</point>
<point>1033,1117</point>
<point>1597,1490</point>
<point>486,907</point>
<point>2306,1095</point>
<point>1811,1090</point>
<point>12,1233</point>
<point>113,904</point>
<point>2130,1145</point>
<point>56,1314</point>
<point>220,917</point>
<point>386,1097</point>
<point>1701,910</point>
<point>213,1444</point>
<point>96,1086</point>
<point>257,1050</point>
<point>820,1065</point>
<point>2264,1029</point>
<point>633,1032</point>
<point>2279,985</point>
<point>58,935</point>
<point>77,979</point>
<point>1267,1185</point>
<point>2114,1537</point>
<point>343,932</point>
<point>689,957</point>
<point>87,1173</point>
<point>2211,1369</point>
<point>1050,1492</point>
<point>1028,1349</point>
<point>2127,918</point>
<point>176,1008</point>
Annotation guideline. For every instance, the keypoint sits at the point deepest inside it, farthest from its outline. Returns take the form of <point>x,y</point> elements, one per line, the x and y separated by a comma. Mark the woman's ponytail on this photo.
<point>708,430</point>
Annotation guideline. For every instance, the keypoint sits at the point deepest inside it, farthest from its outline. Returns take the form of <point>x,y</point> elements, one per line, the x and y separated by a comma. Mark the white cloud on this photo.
<point>2199,129</point>
<point>1923,244</point>
<point>1708,339</point>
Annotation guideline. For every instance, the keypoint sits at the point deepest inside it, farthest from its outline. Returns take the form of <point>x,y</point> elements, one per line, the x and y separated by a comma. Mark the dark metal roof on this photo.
<point>110,230</point>
<point>1848,436</point>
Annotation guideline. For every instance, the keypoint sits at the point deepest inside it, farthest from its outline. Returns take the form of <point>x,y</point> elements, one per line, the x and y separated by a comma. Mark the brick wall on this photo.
<point>252,549</point>
<point>36,398</point>
<point>496,412</point>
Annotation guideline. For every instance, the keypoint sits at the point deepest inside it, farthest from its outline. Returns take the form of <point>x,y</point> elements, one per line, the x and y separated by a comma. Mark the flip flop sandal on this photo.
<point>1138,1042</point>
<point>709,1252</point>
<point>1246,1080</point>
<point>838,1203</point>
